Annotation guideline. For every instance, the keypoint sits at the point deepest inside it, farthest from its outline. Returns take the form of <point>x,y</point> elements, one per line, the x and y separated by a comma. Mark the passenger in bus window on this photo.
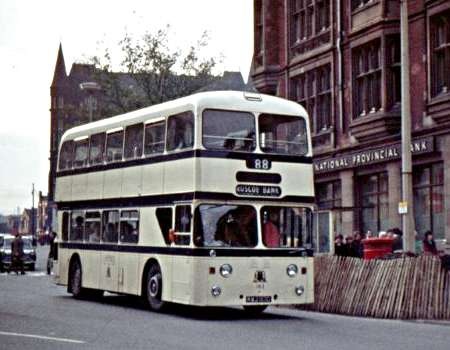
<point>93,232</point>
<point>237,228</point>
<point>271,234</point>
<point>77,231</point>
<point>111,233</point>
<point>180,134</point>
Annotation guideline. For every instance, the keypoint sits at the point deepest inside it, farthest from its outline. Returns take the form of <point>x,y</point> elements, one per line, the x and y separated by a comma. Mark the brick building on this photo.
<point>341,60</point>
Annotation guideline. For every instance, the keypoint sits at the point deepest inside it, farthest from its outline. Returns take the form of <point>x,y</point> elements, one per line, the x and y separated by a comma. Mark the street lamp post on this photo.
<point>407,193</point>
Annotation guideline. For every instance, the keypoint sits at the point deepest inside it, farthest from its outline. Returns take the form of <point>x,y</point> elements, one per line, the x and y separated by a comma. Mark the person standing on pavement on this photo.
<point>429,245</point>
<point>52,254</point>
<point>17,255</point>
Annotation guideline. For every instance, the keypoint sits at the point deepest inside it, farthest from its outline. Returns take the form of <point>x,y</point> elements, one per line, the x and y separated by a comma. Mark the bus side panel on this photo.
<point>152,179</point>
<point>182,277</point>
<point>95,185</point>
<point>62,277</point>
<point>150,232</point>
<point>296,185</point>
<point>90,262</point>
<point>79,187</point>
<point>132,181</point>
<point>112,187</point>
<point>128,273</point>
<point>63,188</point>
<point>179,176</point>
<point>108,278</point>
<point>224,179</point>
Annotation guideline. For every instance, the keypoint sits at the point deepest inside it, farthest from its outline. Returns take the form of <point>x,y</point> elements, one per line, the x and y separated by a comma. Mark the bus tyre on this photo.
<point>254,310</point>
<point>32,267</point>
<point>154,288</point>
<point>75,280</point>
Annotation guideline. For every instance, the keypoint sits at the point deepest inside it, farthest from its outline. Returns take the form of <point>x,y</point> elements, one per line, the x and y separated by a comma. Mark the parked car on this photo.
<point>29,252</point>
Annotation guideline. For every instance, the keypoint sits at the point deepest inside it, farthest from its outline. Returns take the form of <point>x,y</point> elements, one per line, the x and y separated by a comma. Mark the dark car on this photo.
<point>29,252</point>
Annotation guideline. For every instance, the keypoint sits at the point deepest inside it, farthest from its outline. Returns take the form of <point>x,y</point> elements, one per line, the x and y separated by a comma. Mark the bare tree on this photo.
<point>151,72</point>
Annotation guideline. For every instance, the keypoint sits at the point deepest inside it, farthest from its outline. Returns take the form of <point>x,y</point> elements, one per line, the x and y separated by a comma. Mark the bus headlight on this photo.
<point>226,270</point>
<point>299,290</point>
<point>292,270</point>
<point>216,291</point>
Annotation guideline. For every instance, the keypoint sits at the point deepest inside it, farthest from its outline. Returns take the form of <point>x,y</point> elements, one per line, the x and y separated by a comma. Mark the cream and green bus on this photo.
<point>205,200</point>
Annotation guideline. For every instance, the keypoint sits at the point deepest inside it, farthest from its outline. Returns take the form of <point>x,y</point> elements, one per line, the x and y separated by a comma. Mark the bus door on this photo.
<point>323,237</point>
<point>182,268</point>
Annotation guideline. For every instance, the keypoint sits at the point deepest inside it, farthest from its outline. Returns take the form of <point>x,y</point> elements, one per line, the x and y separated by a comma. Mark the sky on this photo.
<point>30,34</point>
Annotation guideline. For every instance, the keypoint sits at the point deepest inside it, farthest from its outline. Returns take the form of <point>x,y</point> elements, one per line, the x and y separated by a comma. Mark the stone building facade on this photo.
<point>340,59</point>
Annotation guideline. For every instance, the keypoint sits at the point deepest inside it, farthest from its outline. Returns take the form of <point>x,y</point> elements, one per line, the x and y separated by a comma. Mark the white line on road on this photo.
<point>42,337</point>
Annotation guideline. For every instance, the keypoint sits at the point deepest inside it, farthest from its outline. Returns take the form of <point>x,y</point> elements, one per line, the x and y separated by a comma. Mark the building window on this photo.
<point>367,79</point>
<point>373,202</point>
<point>428,188</point>
<point>309,19</point>
<point>313,91</point>
<point>329,197</point>
<point>440,53</point>
<point>393,71</point>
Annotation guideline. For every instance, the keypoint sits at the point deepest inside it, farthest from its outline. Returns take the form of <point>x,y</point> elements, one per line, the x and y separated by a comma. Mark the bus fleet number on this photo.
<point>262,164</point>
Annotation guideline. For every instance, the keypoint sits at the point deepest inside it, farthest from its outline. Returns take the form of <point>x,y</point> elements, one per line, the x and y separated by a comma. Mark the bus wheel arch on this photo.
<point>74,284</point>
<point>152,285</point>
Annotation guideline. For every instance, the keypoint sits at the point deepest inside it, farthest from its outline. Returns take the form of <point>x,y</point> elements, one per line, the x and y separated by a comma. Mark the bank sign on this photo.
<point>371,156</point>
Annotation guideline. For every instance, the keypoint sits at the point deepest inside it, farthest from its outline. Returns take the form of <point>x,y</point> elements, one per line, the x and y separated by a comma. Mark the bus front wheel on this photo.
<point>154,288</point>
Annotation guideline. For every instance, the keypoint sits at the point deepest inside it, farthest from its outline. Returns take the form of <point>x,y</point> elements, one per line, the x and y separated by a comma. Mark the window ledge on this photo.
<point>439,108</point>
<point>378,124</point>
<point>365,7</point>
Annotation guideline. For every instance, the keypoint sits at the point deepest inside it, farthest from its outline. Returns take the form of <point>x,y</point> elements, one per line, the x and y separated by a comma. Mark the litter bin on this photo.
<point>377,247</point>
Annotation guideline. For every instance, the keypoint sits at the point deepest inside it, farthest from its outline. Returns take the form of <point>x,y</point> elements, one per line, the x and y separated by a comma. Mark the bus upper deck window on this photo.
<point>282,134</point>
<point>114,146</point>
<point>97,149</point>
<point>180,131</point>
<point>154,138</point>
<point>65,156</point>
<point>81,153</point>
<point>134,141</point>
<point>228,130</point>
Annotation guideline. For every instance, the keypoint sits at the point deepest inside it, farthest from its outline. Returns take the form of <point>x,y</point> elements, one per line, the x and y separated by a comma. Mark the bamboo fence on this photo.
<point>403,288</point>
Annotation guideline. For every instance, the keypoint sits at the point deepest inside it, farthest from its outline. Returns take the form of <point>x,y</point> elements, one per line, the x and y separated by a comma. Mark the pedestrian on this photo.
<point>357,246</point>
<point>429,245</point>
<point>398,239</point>
<point>340,248</point>
<point>17,255</point>
<point>349,246</point>
<point>52,254</point>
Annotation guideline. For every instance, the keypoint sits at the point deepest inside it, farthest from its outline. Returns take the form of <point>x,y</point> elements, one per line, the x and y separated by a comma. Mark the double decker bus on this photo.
<point>205,200</point>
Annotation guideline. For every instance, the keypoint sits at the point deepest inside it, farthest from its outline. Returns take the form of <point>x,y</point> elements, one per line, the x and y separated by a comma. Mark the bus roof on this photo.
<point>237,100</point>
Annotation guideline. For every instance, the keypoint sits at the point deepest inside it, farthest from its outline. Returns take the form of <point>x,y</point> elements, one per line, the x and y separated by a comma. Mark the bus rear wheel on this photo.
<point>75,280</point>
<point>254,310</point>
<point>154,288</point>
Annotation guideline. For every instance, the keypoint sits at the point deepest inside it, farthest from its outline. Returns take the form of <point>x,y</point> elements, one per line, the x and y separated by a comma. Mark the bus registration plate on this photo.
<point>258,299</point>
